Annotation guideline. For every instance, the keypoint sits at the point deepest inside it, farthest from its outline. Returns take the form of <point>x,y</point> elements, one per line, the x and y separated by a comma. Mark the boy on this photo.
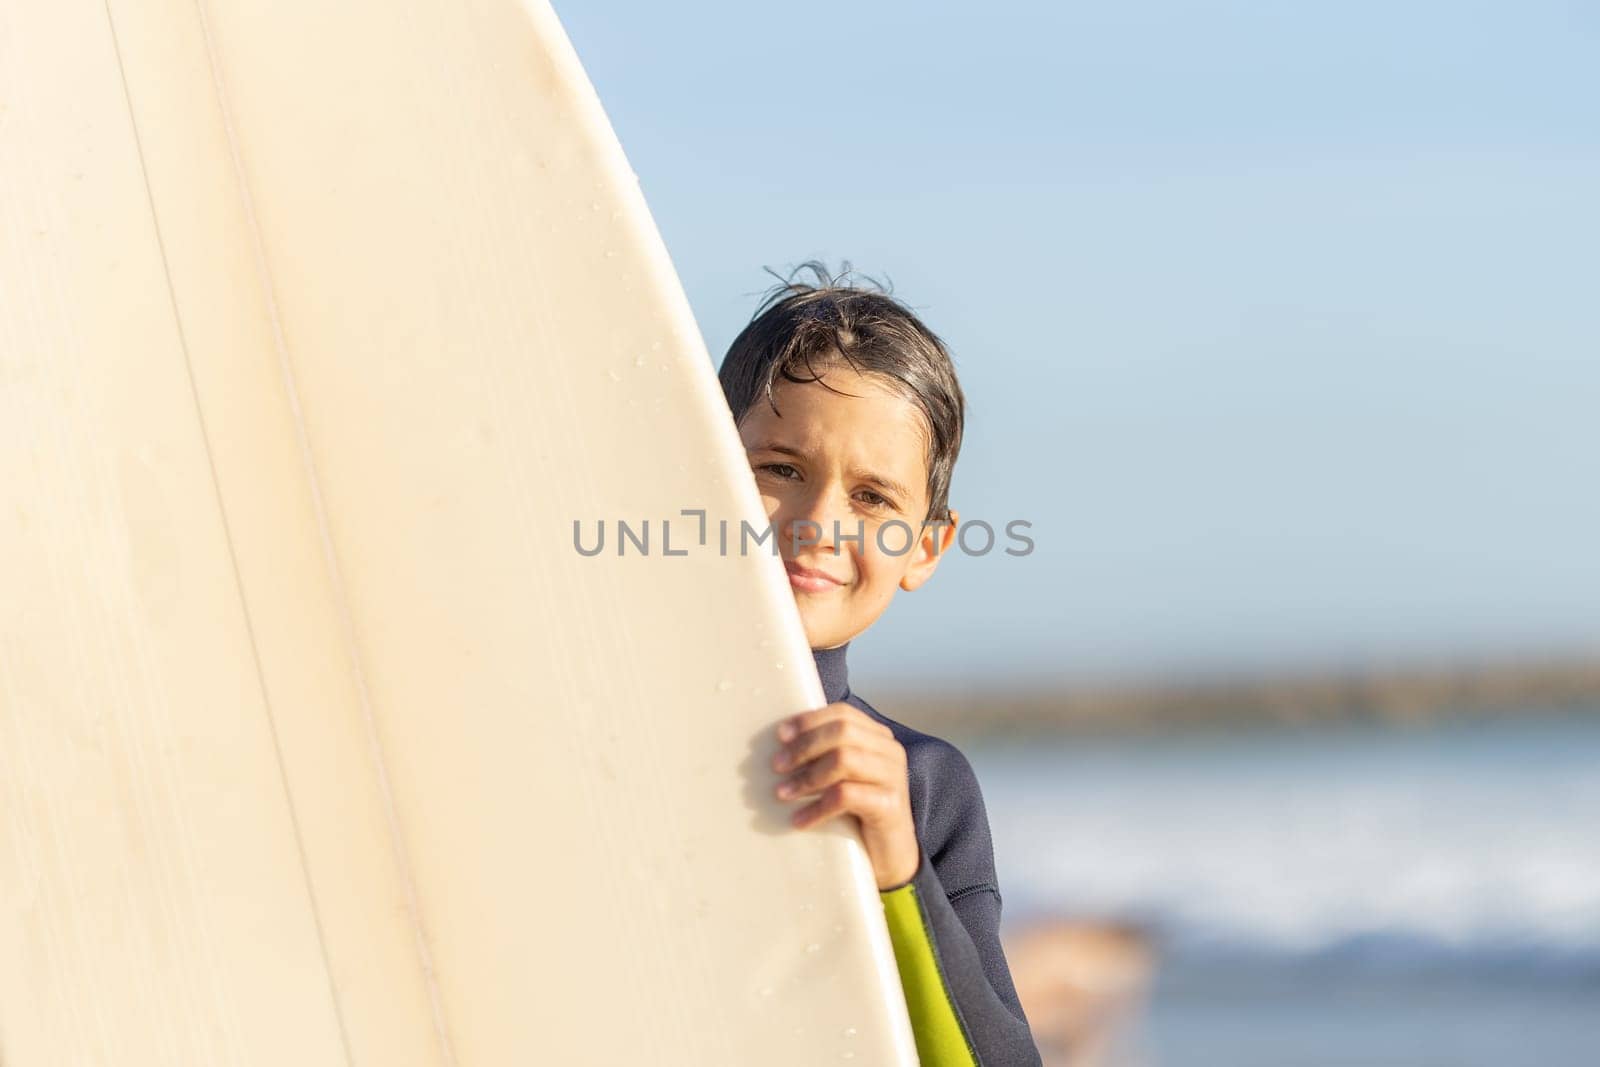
<point>851,415</point>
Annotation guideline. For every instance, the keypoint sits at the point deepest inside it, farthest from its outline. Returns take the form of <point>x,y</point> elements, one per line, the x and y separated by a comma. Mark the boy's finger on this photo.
<point>824,738</point>
<point>839,765</point>
<point>838,799</point>
<point>805,721</point>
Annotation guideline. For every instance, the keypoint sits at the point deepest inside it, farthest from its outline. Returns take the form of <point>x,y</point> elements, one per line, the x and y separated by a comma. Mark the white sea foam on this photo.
<point>1469,839</point>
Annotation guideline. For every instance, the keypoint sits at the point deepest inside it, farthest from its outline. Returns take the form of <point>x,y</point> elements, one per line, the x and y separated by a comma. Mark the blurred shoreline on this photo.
<point>1387,896</point>
<point>1408,694</point>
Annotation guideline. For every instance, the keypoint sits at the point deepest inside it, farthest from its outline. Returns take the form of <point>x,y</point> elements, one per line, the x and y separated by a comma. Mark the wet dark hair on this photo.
<point>799,330</point>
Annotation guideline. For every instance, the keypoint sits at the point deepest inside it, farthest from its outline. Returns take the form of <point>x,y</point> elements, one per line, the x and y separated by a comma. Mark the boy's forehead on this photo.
<point>848,409</point>
<point>874,427</point>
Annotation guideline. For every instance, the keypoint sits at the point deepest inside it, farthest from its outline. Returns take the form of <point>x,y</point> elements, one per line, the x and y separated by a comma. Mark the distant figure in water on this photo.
<point>1082,983</point>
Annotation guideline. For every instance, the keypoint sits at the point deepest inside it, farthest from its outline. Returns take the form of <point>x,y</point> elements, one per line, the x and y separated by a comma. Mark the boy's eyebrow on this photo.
<point>882,481</point>
<point>773,446</point>
<point>893,487</point>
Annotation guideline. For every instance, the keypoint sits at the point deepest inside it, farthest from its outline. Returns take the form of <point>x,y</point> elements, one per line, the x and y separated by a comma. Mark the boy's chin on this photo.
<point>825,629</point>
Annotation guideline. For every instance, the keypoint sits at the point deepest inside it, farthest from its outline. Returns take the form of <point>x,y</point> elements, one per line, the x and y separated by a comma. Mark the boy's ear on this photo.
<point>937,538</point>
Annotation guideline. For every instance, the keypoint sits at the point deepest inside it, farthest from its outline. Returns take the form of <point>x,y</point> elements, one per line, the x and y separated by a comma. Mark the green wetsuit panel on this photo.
<point>941,1039</point>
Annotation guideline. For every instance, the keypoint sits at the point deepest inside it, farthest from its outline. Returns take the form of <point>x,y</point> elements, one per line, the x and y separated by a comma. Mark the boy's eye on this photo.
<point>875,500</point>
<point>782,470</point>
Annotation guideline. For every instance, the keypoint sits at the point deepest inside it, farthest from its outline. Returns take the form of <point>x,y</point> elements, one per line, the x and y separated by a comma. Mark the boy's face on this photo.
<point>858,461</point>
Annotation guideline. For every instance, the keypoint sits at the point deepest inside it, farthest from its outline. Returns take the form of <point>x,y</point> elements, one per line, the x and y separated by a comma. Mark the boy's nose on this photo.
<point>813,521</point>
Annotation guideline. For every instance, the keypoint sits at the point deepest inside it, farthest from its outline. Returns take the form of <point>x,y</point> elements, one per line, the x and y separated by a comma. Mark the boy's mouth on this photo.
<point>810,580</point>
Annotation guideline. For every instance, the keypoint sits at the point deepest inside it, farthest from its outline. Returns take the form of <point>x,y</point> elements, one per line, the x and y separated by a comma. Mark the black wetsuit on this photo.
<point>955,884</point>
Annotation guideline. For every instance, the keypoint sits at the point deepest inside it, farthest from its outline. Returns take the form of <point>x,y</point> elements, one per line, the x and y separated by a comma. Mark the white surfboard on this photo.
<point>320,325</point>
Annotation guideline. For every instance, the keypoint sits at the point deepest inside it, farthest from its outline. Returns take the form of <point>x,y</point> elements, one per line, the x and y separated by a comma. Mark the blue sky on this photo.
<point>1278,321</point>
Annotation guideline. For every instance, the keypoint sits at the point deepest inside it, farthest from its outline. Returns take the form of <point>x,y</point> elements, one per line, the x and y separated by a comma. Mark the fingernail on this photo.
<point>785,791</point>
<point>786,731</point>
<point>780,762</point>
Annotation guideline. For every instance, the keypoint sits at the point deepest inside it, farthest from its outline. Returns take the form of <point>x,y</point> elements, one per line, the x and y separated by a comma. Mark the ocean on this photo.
<point>1346,894</point>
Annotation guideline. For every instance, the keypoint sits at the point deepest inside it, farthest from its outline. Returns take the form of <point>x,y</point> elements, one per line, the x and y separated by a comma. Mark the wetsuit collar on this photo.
<point>833,672</point>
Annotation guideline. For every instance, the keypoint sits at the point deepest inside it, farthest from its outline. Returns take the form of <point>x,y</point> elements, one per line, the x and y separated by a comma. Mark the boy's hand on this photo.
<point>859,769</point>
